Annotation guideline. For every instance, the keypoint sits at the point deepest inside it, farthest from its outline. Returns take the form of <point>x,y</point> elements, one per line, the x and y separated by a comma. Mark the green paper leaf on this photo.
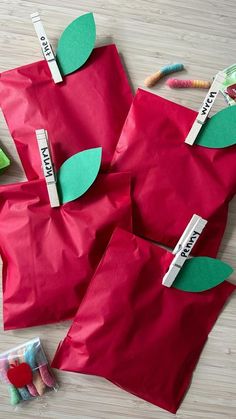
<point>78,173</point>
<point>76,44</point>
<point>201,273</point>
<point>220,130</point>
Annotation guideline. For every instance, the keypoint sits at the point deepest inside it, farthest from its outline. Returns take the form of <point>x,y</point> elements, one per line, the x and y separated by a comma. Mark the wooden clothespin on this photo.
<point>183,248</point>
<point>205,108</point>
<point>46,48</point>
<point>42,139</point>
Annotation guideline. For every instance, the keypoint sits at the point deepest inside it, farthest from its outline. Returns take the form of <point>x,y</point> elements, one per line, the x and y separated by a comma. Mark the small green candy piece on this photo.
<point>4,160</point>
<point>15,397</point>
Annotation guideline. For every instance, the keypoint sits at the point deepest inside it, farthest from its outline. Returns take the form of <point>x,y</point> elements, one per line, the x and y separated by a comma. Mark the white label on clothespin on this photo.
<point>46,48</point>
<point>184,247</point>
<point>205,109</point>
<point>48,171</point>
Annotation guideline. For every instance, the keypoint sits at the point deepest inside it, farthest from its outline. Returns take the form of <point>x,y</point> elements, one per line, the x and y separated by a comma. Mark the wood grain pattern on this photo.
<point>149,35</point>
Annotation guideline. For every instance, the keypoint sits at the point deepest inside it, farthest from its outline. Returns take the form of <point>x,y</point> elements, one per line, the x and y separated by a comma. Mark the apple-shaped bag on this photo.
<point>49,254</point>
<point>137,333</point>
<point>87,109</point>
<point>172,180</point>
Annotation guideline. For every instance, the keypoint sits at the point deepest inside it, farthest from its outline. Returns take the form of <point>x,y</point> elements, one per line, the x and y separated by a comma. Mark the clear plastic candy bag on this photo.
<point>25,371</point>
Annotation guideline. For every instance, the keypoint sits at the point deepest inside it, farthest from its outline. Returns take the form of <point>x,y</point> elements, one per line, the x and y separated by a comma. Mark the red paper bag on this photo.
<point>137,333</point>
<point>49,254</point>
<point>86,110</point>
<point>170,179</point>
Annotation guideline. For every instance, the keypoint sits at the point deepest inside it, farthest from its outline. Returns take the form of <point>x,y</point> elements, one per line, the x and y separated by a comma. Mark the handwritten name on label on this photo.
<point>190,244</point>
<point>47,164</point>
<point>46,47</point>
<point>208,103</point>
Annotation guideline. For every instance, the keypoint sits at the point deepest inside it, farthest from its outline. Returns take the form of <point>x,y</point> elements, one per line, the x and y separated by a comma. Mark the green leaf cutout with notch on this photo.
<point>220,130</point>
<point>201,273</point>
<point>78,173</point>
<point>76,44</point>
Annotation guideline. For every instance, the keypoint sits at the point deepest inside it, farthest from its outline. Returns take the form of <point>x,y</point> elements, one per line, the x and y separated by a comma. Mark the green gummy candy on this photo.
<point>4,160</point>
<point>15,397</point>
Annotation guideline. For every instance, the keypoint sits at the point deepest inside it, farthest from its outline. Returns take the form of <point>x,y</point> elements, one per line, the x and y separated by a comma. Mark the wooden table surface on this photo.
<point>149,34</point>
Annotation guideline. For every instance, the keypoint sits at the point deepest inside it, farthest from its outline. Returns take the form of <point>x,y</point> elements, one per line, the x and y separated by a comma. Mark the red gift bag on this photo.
<point>170,179</point>
<point>137,333</point>
<point>86,110</point>
<point>49,254</point>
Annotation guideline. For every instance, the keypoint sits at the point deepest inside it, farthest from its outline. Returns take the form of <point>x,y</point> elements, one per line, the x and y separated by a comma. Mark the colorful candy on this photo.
<point>186,84</point>
<point>25,395</point>
<point>46,376</point>
<point>153,79</point>
<point>14,394</point>
<point>38,383</point>
<point>32,389</point>
<point>15,397</point>
<point>25,371</point>
<point>18,357</point>
<point>28,356</point>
